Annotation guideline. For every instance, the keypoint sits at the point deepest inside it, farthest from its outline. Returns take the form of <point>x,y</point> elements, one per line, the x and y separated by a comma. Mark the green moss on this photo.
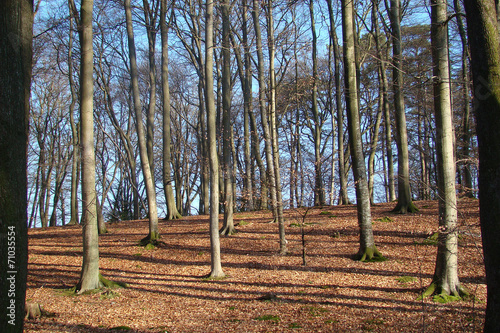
<point>243,223</point>
<point>384,219</point>
<point>268,317</point>
<point>370,254</point>
<point>111,284</point>
<point>294,325</point>
<point>406,279</point>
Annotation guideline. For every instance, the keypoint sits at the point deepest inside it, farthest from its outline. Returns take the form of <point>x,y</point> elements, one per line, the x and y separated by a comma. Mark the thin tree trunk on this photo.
<point>216,266</point>
<point>172,212</point>
<point>344,198</point>
<point>405,203</point>
<point>227,168</point>
<point>154,234</point>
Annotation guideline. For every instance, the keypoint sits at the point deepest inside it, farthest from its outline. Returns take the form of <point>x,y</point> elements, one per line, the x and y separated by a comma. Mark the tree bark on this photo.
<point>216,266</point>
<point>16,24</point>
<point>154,234</point>
<point>405,203</point>
<point>89,278</point>
<point>227,168</point>
<point>172,212</point>
<point>484,43</point>
<point>367,250</point>
<point>445,281</point>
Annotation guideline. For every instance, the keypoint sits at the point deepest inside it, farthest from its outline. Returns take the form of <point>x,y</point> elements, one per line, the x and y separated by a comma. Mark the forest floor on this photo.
<point>263,291</point>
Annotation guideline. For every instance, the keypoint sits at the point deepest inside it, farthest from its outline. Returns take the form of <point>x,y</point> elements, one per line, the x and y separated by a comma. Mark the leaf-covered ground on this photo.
<point>263,291</point>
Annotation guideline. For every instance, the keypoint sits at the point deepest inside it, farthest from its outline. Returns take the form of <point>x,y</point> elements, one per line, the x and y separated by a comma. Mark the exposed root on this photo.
<point>150,240</point>
<point>405,208</point>
<point>370,254</point>
<point>228,230</point>
<point>440,295</point>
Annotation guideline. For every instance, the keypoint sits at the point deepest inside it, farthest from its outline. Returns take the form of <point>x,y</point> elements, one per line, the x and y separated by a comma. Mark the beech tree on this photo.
<point>216,266</point>
<point>367,249</point>
<point>484,41</point>
<point>16,25</point>
<point>445,282</point>
<point>154,234</point>
<point>405,203</point>
<point>89,278</point>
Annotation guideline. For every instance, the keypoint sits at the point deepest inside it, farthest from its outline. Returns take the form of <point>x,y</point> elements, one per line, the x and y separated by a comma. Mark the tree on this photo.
<point>227,168</point>
<point>154,234</point>
<point>405,203</point>
<point>172,212</point>
<point>216,266</point>
<point>484,44</point>
<point>89,278</point>
<point>445,282</point>
<point>367,250</point>
<point>16,24</point>
<point>343,198</point>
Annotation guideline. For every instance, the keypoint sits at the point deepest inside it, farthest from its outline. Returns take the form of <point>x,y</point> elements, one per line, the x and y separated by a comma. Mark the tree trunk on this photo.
<point>319,191</point>
<point>16,24</point>
<point>445,280</point>
<point>274,129</point>
<point>227,168</point>
<point>367,250</point>
<point>405,203</point>
<point>154,234</point>
<point>75,134</point>
<point>216,266</point>
<point>485,59</point>
<point>172,212</point>
<point>343,199</point>
<point>89,278</point>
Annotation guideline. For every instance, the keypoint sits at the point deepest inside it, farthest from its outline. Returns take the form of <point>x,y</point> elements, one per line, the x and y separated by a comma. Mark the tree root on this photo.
<point>150,240</point>
<point>404,209</point>
<point>440,295</point>
<point>227,231</point>
<point>370,254</point>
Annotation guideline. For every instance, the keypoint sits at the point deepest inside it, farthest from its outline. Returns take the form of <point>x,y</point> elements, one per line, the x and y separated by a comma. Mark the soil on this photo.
<point>263,291</point>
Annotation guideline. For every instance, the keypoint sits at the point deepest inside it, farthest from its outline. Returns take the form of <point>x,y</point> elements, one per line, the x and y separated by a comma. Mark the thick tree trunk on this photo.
<point>445,280</point>
<point>16,22</point>
<point>216,266</point>
<point>367,250</point>
<point>89,278</point>
<point>484,43</point>
<point>154,234</point>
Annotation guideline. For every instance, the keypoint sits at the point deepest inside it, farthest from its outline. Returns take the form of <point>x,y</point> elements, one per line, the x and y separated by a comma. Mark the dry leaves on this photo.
<point>264,292</point>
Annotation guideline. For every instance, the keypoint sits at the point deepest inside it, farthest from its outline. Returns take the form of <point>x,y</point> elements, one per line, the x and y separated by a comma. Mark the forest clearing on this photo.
<point>263,291</point>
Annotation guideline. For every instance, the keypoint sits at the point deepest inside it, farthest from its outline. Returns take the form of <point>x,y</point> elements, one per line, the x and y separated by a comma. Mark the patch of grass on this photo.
<point>138,254</point>
<point>384,219</point>
<point>331,321</point>
<point>268,317</point>
<point>444,298</point>
<point>120,328</point>
<point>316,311</point>
<point>149,246</point>
<point>242,223</point>
<point>294,325</point>
<point>406,279</point>
<point>431,240</point>
<point>232,308</point>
